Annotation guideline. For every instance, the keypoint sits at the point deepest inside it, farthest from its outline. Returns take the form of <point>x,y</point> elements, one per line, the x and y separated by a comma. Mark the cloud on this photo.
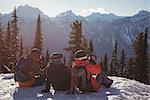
<point>94,10</point>
<point>84,11</point>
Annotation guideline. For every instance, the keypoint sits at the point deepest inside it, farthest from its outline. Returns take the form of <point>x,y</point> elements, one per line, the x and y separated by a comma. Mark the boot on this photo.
<point>70,92</point>
<point>108,83</point>
<point>45,91</point>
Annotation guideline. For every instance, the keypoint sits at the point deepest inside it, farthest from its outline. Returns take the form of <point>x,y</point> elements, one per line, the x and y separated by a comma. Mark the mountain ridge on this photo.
<point>103,29</point>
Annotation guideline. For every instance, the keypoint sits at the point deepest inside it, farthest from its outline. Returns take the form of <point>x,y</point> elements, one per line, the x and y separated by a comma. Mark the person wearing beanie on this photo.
<point>58,75</point>
<point>28,73</point>
<point>86,74</point>
<point>78,72</point>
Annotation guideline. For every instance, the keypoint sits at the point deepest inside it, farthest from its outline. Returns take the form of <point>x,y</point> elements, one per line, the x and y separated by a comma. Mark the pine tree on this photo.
<point>91,47</point>
<point>141,57</point>
<point>3,57</point>
<point>85,45</point>
<point>21,47</point>
<point>47,56</point>
<point>76,37</point>
<point>2,48</point>
<point>1,44</point>
<point>101,61</point>
<point>7,42</point>
<point>131,69</point>
<point>122,64</point>
<point>146,56</point>
<point>38,35</point>
<point>14,37</point>
<point>64,60</point>
<point>114,61</point>
<point>110,68</point>
<point>105,64</point>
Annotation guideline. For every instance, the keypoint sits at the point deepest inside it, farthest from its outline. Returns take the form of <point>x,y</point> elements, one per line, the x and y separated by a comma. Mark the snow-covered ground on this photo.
<point>122,89</point>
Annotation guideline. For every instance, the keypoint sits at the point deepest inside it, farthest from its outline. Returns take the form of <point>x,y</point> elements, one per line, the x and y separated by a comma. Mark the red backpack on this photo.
<point>92,72</point>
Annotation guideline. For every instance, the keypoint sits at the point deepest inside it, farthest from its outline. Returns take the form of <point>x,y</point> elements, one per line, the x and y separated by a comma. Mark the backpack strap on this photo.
<point>48,65</point>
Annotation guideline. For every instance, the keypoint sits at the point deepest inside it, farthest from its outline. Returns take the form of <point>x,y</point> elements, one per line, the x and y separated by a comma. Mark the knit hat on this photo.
<point>56,55</point>
<point>35,50</point>
<point>80,55</point>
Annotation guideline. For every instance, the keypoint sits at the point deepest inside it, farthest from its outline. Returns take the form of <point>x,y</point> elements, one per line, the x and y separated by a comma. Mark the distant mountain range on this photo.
<point>103,29</point>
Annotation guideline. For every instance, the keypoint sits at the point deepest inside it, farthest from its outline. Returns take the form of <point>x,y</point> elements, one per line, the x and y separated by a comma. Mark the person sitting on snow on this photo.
<point>28,72</point>
<point>78,72</point>
<point>86,74</point>
<point>102,77</point>
<point>58,75</point>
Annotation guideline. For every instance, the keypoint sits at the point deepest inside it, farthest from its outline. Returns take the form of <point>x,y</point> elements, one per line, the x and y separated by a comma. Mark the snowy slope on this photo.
<point>122,89</point>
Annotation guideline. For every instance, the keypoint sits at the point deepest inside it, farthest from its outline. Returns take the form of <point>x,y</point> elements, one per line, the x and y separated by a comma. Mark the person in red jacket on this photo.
<point>83,74</point>
<point>78,72</point>
<point>86,74</point>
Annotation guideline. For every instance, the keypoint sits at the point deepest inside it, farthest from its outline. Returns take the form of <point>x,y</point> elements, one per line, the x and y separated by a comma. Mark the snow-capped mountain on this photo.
<point>103,29</point>
<point>68,15</point>
<point>121,89</point>
<point>125,30</point>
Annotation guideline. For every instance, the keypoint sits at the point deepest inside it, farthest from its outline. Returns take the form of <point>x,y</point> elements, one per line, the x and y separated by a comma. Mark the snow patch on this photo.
<point>121,89</point>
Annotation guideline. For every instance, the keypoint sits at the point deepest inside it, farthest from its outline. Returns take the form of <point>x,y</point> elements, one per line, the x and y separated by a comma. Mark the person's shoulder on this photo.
<point>63,66</point>
<point>95,65</point>
<point>22,60</point>
<point>98,66</point>
<point>49,64</point>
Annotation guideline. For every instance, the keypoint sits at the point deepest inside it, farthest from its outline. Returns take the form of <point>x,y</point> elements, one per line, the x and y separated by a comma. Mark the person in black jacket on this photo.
<point>57,74</point>
<point>28,71</point>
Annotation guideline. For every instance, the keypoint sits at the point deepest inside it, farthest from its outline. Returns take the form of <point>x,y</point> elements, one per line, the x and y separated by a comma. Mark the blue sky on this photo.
<point>80,7</point>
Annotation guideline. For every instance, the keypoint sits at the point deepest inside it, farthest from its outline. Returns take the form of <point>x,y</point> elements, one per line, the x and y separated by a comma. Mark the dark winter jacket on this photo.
<point>59,76</point>
<point>26,70</point>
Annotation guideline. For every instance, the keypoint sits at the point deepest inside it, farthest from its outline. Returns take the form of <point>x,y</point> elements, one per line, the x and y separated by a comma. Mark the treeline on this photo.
<point>118,65</point>
<point>11,43</point>
<point>78,41</point>
<point>137,67</point>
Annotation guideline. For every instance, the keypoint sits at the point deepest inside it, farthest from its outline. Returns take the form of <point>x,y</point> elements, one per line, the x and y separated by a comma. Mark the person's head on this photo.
<point>92,56</point>
<point>81,57</point>
<point>56,56</point>
<point>35,54</point>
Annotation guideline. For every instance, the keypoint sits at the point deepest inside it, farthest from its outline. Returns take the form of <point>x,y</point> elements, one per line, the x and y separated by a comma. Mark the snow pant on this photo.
<point>27,84</point>
<point>78,73</point>
<point>57,88</point>
<point>104,80</point>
